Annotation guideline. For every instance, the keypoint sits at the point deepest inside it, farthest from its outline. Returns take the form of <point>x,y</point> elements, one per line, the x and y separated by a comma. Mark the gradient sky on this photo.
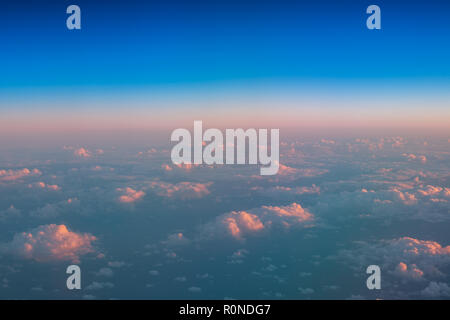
<point>221,56</point>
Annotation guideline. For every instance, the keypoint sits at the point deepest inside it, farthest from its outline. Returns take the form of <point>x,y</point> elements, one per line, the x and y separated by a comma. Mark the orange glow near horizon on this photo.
<point>301,117</point>
<point>227,109</point>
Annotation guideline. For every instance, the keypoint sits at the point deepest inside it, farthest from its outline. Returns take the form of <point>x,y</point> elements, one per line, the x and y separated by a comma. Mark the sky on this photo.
<point>86,175</point>
<point>178,59</point>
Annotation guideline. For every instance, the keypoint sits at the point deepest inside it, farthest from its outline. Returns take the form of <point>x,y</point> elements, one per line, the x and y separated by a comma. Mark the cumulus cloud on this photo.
<point>411,268</point>
<point>430,190</point>
<point>82,153</point>
<point>429,202</point>
<point>436,290</point>
<point>43,185</point>
<point>181,190</point>
<point>12,175</point>
<point>404,196</point>
<point>176,239</point>
<point>405,258</point>
<point>53,187</point>
<point>377,144</point>
<point>295,173</point>
<point>50,243</point>
<point>240,224</point>
<point>11,212</point>
<point>413,157</point>
<point>280,191</point>
<point>130,195</point>
<point>105,272</point>
<point>386,200</point>
<point>409,272</point>
<point>186,167</point>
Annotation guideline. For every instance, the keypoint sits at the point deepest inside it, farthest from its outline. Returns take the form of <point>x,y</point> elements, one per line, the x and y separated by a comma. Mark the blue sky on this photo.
<point>134,43</point>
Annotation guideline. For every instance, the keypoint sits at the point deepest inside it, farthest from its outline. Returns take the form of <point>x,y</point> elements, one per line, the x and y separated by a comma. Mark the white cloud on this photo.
<point>99,285</point>
<point>116,264</point>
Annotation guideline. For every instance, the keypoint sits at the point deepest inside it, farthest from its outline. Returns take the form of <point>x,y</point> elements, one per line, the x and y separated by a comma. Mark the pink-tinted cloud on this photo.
<point>51,243</point>
<point>176,239</point>
<point>240,224</point>
<point>406,258</point>
<point>436,290</point>
<point>186,167</point>
<point>43,185</point>
<point>294,211</point>
<point>412,157</point>
<point>279,191</point>
<point>11,175</point>
<point>414,246</point>
<point>130,195</point>
<point>390,198</point>
<point>289,173</point>
<point>409,272</point>
<point>327,141</point>
<point>430,190</point>
<point>285,170</point>
<point>181,190</point>
<point>406,197</point>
